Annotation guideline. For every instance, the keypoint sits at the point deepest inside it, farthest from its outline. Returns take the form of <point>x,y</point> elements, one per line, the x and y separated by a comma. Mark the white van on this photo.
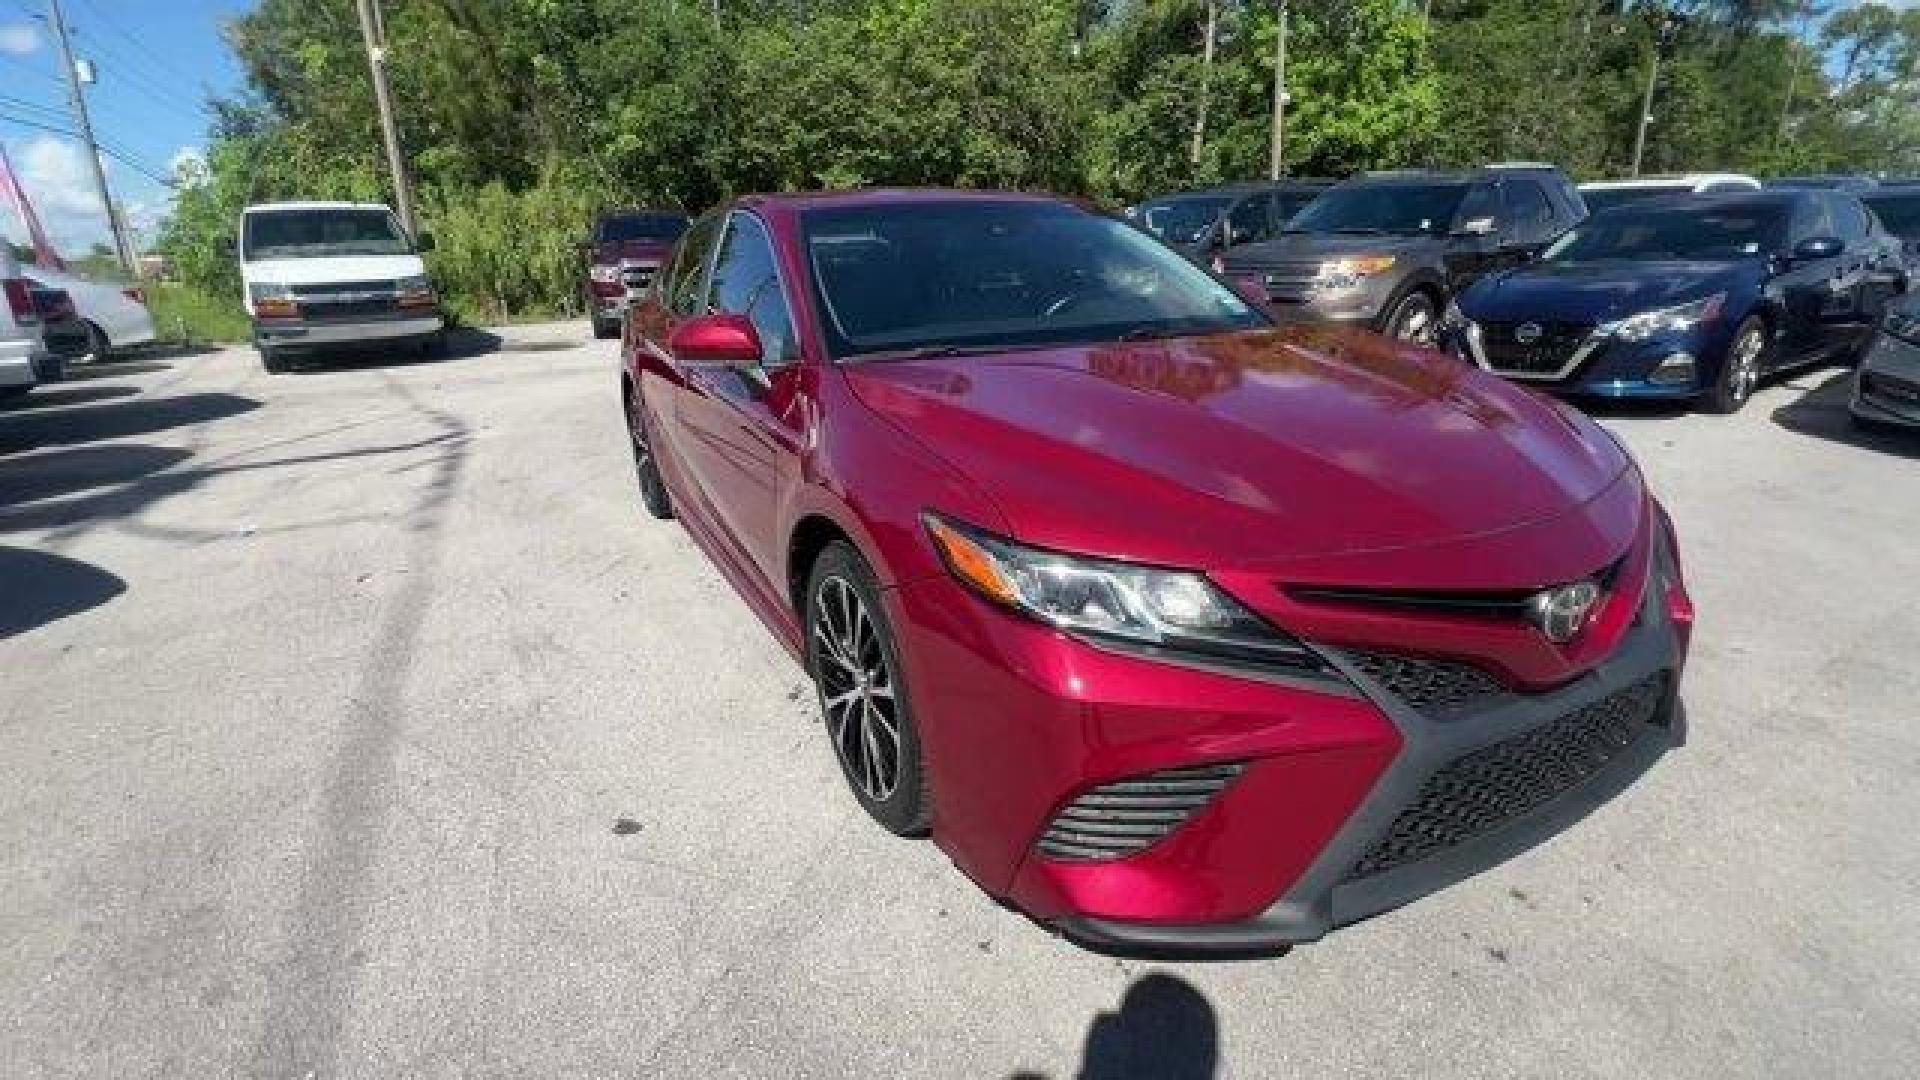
<point>334,273</point>
<point>22,352</point>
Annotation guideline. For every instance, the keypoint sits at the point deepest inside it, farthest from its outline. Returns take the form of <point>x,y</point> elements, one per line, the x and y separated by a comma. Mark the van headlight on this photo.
<point>1668,320</point>
<point>415,291</point>
<point>1111,602</point>
<point>273,300</point>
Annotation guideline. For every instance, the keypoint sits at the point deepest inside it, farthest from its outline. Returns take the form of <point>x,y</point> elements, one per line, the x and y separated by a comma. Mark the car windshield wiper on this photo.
<point>925,352</point>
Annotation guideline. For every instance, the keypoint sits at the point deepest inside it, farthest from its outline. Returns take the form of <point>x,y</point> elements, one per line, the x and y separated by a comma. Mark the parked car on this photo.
<point>1203,224</point>
<point>1898,208</point>
<point>1687,297</point>
<point>624,252</point>
<point>22,352</point>
<point>328,274</point>
<point>1824,182</point>
<point>1606,194</point>
<point>1183,633</point>
<point>111,316</point>
<point>1886,389</point>
<point>1389,250</point>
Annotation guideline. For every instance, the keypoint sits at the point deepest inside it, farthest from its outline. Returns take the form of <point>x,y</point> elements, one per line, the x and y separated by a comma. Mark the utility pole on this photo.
<point>76,96</point>
<point>1206,84</point>
<point>1276,157</point>
<point>372,32</point>
<point>1668,26</point>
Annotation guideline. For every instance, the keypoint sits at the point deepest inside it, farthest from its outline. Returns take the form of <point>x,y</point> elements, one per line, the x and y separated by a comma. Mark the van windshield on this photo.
<point>322,232</point>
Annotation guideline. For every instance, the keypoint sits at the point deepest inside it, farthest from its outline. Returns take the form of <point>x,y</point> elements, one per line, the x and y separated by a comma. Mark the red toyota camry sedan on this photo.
<point>1184,633</point>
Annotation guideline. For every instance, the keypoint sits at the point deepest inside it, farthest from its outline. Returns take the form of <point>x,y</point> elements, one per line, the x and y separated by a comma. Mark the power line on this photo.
<point>117,153</point>
<point>139,46</point>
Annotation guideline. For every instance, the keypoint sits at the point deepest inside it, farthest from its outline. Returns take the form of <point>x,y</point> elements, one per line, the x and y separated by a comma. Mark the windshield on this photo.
<point>1384,208</point>
<point>664,228</point>
<point>1001,275</point>
<point>323,232</point>
<point>1899,213</point>
<point>1181,221</point>
<point>1598,199</point>
<point>1673,232</point>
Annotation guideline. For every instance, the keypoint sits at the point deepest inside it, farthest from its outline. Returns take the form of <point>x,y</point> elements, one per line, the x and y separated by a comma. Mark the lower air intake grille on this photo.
<point>1128,816</point>
<point>1427,684</point>
<point>1496,784</point>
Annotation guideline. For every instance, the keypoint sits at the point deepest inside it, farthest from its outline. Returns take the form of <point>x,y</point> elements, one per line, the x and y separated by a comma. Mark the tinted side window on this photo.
<point>1810,220</point>
<point>746,282</point>
<point>1483,201</point>
<point>1529,217</point>
<point>686,290</point>
<point>1252,218</point>
<point>1849,218</point>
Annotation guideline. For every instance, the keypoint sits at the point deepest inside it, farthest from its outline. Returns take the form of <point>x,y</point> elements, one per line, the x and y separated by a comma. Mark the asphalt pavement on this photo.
<point>357,723</point>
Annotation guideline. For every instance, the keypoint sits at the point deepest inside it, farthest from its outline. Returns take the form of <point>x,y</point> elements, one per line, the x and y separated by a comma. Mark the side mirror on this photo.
<point>423,243</point>
<point>1480,226</point>
<point>716,341</point>
<point>1239,234</point>
<point>1817,247</point>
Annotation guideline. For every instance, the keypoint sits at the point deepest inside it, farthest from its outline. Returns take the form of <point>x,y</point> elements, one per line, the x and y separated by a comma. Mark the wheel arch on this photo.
<point>811,535</point>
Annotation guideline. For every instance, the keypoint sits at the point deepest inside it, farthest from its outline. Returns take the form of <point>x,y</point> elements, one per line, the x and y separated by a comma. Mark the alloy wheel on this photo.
<point>857,689</point>
<point>653,490</point>
<point>1414,321</point>
<point>1746,365</point>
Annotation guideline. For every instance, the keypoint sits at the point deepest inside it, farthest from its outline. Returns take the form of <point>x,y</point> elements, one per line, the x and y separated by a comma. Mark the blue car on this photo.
<point>1689,297</point>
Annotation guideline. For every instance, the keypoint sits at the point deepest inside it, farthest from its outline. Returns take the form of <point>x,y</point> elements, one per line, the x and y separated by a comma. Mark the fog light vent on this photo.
<point>1126,817</point>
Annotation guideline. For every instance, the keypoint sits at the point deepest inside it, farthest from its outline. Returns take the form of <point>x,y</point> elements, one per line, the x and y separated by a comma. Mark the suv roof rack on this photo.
<point>1523,165</point>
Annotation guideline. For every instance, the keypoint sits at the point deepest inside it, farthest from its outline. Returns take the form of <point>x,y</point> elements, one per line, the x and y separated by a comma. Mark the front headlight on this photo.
<point>604,275</point>
<point>1669,320</point>
<point>1903,323</point>
<point>1346,273</point>
<point>1113,602</point>
<point>269,290</point>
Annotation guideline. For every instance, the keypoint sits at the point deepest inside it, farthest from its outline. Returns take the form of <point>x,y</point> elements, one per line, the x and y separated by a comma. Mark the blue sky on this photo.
<point>158,62</point>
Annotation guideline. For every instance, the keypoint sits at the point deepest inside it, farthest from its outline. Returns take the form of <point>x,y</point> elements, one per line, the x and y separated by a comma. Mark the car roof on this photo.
<point>1670,180</point>
<point>643,211</point>
<point>316,205</point>
<point>1764,197</point>
<point>796,200</point>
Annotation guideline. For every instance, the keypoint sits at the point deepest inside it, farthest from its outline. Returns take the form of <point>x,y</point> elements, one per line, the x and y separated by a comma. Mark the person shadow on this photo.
<point>1164,1030</point>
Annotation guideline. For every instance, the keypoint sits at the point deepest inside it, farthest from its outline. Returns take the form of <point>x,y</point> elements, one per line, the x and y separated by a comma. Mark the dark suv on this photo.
<point>1389,250</point>
<point>624,252</point>
<point>1202,224</point>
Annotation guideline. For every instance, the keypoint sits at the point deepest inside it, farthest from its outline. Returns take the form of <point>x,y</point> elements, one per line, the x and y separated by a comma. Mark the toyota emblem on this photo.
<point>1561,612</point>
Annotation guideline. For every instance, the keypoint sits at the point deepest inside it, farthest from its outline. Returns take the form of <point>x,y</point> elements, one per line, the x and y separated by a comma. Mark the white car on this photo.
<point>116,316</point>
<point>319,274</point>
<point>22,353</point>
<point>1603,194</point>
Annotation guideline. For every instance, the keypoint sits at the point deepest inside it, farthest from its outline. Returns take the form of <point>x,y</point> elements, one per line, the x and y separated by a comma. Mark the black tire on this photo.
<point>434,345</point>
<point>99,349</point>
<point>858,728</point>
<point>1740,371</point>
<point>646,468</point>
<point>1415,319</point>
<point>272,360</point>
<point>51,368</point>
<point>14,393</point>
<point>605,328</point>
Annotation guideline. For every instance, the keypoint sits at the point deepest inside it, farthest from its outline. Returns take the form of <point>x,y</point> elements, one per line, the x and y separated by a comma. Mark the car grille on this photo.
<point>1290,281</point>
<point>1497,784</point>
<point>346,299</point>
<point>1897,392</point>
<point>638,276</point>
<point>1126,817</point>
<point>1428,685</point>
<point>1556,347</point>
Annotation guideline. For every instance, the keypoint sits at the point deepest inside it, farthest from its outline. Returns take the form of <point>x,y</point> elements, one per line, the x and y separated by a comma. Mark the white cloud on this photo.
<point>188,166</point>
<point>19,39</point>
<point>56,178</point>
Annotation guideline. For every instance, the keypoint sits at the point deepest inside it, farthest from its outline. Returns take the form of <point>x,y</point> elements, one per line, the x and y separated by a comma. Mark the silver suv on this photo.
<point>1389,250</point>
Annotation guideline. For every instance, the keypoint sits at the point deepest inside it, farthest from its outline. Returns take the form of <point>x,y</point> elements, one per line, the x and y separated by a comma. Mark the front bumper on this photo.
<point>1886,389</point>
<point>1678,367</point>
<point>312,332</point>
<point>1019,722</point>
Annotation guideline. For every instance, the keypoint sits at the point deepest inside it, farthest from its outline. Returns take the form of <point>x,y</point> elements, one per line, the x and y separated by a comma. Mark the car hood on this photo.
<point>334,268</point>
<point>611,252</point>
<point>1596,291</point>
<point>1246,449</point>
<point>1303,247</point>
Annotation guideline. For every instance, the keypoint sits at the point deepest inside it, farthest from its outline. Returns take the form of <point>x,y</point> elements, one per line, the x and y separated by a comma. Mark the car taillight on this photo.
<point>20,301</point>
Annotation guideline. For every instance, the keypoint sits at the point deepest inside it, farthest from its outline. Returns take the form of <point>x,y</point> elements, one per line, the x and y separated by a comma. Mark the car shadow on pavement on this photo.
<point>1164,1030</point>
<point>67,395</point>
<point>463,343</point>
<point>81,468</point>
<point>38,587</point>
<point>1822,413</point>
<point>25,430</point>
<point>112,369</point>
